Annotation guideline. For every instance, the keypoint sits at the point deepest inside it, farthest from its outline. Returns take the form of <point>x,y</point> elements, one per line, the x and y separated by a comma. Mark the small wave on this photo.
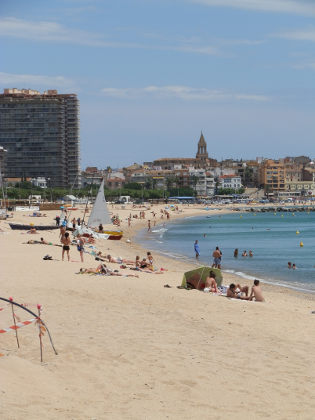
<point>159,230</point>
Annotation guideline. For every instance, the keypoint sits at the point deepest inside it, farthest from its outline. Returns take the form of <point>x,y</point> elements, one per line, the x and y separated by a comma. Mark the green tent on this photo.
<point>197,277</point>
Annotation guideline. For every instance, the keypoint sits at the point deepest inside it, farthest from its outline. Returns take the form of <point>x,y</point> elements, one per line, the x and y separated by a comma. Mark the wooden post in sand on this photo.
<point>40,332</point>
<point>13,315</point>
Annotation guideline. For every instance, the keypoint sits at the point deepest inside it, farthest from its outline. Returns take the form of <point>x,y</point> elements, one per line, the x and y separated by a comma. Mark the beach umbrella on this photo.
<point>197,277</point>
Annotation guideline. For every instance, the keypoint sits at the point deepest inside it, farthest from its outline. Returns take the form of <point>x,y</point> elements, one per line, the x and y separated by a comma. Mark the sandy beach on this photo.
<point>129,348</point>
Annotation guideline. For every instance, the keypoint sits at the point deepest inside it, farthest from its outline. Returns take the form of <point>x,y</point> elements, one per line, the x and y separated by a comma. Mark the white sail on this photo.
<point>99,214</point>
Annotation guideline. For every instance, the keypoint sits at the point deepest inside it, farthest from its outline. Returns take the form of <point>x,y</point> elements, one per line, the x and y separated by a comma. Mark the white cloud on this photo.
<point>45,31</point>
<point>27,80</point>
<point>302,35</point>
<point>184,93</point>
<point>300,7</point>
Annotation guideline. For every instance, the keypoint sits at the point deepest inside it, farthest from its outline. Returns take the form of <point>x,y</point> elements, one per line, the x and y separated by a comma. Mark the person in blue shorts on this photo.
<point>197,249</point>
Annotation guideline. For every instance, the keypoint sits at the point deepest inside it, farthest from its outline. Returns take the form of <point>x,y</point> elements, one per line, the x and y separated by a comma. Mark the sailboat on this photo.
<point>100,216</point>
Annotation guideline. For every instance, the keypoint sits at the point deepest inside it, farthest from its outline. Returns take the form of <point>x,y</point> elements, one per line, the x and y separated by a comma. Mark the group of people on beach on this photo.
<point>66,242</point>
<point>144,265</point>
<point>235,291</point>
<point>217,255</point>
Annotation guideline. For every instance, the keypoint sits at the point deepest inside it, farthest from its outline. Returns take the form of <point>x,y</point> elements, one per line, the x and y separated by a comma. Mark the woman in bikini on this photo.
<point>65,240</point>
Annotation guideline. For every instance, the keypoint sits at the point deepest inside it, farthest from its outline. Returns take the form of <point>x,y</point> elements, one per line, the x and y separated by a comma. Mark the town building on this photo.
<point>41,135</point>
<point>272,176</point>
<point>298,189</point>
<point>201,160</point>
<point>230,182</point>
<point>40,182</point>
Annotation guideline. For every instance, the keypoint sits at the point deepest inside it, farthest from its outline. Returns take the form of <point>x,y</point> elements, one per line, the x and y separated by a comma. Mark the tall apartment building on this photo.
<point>41,135</point>
<point>272,175</point>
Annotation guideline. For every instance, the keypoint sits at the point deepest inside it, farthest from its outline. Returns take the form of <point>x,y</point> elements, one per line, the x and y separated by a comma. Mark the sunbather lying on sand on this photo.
<point>42,242</point>
<point>144,267</point>
<point>103,269</point>
<point>118,260</point>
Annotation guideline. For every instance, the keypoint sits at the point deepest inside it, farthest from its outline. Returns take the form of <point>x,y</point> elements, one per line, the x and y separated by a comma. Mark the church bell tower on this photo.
<point>202,153</point>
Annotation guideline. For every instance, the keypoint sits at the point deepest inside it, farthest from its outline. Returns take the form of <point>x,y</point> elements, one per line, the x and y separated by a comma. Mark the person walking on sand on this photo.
<point>65,240</point>
<point>80,246</point>
<point>197,249</point>
<point>149,225</point>
<point>256,292</point>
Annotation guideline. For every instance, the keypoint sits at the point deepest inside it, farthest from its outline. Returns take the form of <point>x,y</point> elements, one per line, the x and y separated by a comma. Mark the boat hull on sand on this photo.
<point>16,226</point>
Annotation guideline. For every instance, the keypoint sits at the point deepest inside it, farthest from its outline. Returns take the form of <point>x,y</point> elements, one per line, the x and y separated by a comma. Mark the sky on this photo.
<point>152,74</point>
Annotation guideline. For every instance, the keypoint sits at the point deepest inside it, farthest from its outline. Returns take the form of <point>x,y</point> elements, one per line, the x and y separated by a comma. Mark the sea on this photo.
<point>274,238</point>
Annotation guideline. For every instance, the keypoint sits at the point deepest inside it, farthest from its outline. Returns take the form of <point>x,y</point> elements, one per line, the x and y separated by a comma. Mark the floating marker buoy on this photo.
<point>297,232</point>
<point>241,216</point>
<point>301,244</point>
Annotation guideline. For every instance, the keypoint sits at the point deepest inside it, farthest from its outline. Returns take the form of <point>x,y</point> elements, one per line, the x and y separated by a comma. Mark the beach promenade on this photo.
<point>129,348</point>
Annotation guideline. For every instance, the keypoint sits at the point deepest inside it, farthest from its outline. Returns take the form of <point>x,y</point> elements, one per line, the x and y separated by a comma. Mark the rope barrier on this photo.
<point>18,325</point>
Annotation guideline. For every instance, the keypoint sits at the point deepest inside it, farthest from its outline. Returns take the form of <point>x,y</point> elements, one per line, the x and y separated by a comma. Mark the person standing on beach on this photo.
<point>197,249</point>
<point>80,246</point>
<point>65,240</point>
<point>217,254</point>
<point>149,225</point>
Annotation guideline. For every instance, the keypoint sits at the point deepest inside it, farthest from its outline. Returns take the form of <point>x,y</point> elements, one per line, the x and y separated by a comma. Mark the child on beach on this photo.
<point>80,246</point>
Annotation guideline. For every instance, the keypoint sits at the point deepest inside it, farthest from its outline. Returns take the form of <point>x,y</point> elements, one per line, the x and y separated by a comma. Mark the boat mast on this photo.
<point>87,200</point>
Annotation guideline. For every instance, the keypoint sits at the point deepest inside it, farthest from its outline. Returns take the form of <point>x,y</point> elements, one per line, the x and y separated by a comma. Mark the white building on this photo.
<point>39,182</point>
<point>202,182</point>
<point>230,181</point>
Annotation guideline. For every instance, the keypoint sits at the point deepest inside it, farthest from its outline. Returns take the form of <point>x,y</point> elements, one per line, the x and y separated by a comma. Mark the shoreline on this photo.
<point>230,273</point>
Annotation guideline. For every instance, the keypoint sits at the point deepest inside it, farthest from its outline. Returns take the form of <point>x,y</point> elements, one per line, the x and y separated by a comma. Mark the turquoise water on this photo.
<point>271,237</point>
